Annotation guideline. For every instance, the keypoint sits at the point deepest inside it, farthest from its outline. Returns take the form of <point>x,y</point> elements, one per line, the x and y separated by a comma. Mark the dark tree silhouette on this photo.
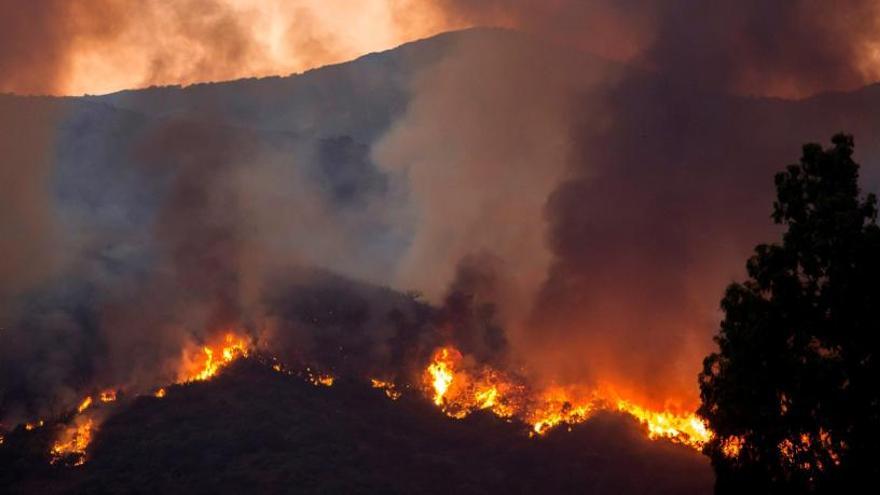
<point>793,391</point>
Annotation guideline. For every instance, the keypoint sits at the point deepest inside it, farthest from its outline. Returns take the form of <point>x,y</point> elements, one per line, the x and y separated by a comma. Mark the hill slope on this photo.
<point>252,429</point>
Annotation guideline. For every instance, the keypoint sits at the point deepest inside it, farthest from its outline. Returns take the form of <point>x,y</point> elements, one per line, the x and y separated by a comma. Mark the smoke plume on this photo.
<point>570,202</point>
<point>787,49</point>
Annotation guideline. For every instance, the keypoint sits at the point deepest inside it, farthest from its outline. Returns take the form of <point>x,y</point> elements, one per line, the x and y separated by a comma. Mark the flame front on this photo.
<point>389,387</point>
<point>199,366</point>
<point>212,358</point>
<point>460,390</point>
<point>73,441</point>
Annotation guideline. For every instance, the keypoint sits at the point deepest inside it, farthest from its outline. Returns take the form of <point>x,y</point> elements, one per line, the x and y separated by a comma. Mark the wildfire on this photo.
<point>84,404</point>
<point>441,374</point>
<point>319,379</point>
<point>454,383</point>
<point>389,387</point>
<point>33,426</point>
<point>732,446</point>
<point>688,429</point>
<point>459,392</point>
<point>74,441</point>
<point>212,358</point>
<point>460,389</point>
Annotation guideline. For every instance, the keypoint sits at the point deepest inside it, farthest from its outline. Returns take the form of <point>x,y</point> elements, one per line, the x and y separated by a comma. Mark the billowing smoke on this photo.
<point>131,239</point>
<point>616,200</point>
<point>26,136</point>
<point>568,202</point>
<point>794,48</point>
<point>482,144</point>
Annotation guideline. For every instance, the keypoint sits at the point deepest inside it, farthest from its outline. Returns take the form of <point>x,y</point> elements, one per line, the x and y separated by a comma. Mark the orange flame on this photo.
<point>389,388</point>
<point>325,380</point>
<point>33,426</point>
<point>440,374</point>
<point>460,390</point>
<point>212,358</point>
<point>319,379</point>
<point>74,441</point>
<point>84,404</point>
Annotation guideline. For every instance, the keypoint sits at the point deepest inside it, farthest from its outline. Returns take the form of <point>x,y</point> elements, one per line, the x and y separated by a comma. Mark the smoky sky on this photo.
<point>99,46</point>
<point>574,196</point>
<point>788,49</point>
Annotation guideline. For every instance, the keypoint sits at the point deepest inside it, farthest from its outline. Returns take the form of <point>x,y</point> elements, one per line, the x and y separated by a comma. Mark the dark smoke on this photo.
<point>573,214</point>
<point>793,48</point>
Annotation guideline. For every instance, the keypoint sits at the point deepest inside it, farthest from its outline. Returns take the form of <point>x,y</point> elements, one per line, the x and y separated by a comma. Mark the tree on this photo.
<point>793,393</point>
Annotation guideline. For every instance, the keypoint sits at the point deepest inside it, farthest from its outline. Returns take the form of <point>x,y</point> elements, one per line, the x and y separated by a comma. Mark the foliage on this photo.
<point>794,383</point>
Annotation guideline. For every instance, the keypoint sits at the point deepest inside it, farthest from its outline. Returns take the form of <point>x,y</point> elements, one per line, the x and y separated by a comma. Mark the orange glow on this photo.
<point>108,396</point>
<point>320,379</point>
<point>389,387</point>
<point>440,374</point>
<point>204,364</point>
<point>159,393</point>
<point>84,404</point>
<point>74,441</point>
<point>138,44</point>
<point>688,429</point>
<point>732,446</point>
<point>33,426</point>
<point>460,390</point>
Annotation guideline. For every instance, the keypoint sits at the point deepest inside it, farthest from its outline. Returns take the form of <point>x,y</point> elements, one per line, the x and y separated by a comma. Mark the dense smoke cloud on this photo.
<point>482,144</point>
<point>205,230</point>
<point>644,189</point>
<point>27,131</point>
<point>787,49</point>
<point>573,215</point>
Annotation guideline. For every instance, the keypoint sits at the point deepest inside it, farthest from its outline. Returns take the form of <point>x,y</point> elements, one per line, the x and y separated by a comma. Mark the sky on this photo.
<point>786,49</point>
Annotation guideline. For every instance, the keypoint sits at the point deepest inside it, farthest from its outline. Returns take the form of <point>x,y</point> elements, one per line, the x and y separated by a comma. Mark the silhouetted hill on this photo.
<point>255,430</point>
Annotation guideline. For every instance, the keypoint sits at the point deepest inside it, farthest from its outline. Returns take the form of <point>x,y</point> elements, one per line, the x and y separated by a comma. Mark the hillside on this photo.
<point>252,429</point>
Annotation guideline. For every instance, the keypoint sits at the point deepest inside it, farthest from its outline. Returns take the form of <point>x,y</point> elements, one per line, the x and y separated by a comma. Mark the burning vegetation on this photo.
<point>460,390</point>
<point>211,358</point>
<point>449,381</point>
<point>196,365</point>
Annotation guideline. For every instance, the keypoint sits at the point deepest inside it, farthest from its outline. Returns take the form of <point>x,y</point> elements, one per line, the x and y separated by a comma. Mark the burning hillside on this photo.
<point>446,381</point>
<point>525,227</point>
<point>253,426</point>
<point>460,392</point>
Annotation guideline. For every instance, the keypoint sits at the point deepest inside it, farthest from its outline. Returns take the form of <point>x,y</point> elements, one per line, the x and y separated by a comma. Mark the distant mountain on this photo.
<point>358,98</point>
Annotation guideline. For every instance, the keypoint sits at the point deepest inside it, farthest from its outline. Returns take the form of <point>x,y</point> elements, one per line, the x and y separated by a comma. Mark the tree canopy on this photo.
<point>793,391</point>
